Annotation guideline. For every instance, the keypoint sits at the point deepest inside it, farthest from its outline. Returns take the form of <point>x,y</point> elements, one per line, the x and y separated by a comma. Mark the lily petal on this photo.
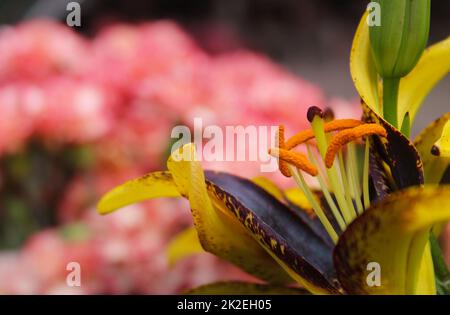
<point>394,234</point>
<point>244,224</point>
<point>240,249</point>
<point>245,288</point>
<point>153,185</point>
<point>362,67</point>
<point>185,244</point>
<point>434,166</point>
<point>442,146</point>
<point>297,198</point>
<point>219,232</point>
<point>293,243</point>
<point>269,186</point>
<point>395,163</point>
<point>426,282</point>
<point>431,68</point>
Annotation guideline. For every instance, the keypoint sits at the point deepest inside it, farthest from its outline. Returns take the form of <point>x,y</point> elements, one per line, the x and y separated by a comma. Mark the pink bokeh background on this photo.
<point>119,94</point>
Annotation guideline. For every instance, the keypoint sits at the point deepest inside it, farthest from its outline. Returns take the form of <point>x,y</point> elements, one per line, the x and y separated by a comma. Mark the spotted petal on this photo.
<point>394,234</point>
<point>290,239</point>
<point>241,222</point>
<point>434,166</point>
<point>395,162</point>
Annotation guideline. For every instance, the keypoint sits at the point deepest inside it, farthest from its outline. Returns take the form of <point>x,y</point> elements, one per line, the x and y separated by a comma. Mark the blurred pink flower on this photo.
<point>20,104</point>
<point>124,252</point>
<point>120,94</point>
<point>38,49</point>
<point>75,111</point>
<point>249,88</point>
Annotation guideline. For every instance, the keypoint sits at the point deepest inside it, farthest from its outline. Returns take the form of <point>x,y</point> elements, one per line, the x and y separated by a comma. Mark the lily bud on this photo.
<point>400,40</point>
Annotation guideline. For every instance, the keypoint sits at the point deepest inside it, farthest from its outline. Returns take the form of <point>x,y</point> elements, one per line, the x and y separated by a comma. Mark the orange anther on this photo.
<point>349,135</point>
<point>284,169</point>
<point>297,159</point>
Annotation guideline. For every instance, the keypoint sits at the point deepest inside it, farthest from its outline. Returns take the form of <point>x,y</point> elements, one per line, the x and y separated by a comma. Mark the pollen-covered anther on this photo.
<point>297,159</point>
<point>331,126</point>
<point>284,168</point>
<point>349,135</point>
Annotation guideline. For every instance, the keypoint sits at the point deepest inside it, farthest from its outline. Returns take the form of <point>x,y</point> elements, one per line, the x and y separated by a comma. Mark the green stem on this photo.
<point>390,95</point>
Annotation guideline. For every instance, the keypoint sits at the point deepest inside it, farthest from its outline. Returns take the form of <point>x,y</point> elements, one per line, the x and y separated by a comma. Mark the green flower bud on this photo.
<point>399,41</point>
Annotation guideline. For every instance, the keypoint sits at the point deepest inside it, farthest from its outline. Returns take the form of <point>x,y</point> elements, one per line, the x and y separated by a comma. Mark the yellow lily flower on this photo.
<point>326,241</point>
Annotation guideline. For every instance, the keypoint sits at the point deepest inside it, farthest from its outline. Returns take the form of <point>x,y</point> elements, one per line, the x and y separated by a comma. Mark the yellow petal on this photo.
<point>269,186</point>
<point>426,283</point>
<point>434,166</point>
<point>442,145</point>
<point>362,67</point>
<point>393,233</point>
<point>184,244</point>
<point>431,68</point>
<point>298,198</point>
<point>153,185</point>
<point>219,232</point>
<point>293,195</point>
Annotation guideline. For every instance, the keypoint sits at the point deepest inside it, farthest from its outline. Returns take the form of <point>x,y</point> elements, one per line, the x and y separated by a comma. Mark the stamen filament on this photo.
<point>351,180</point>
<point>366,196</point>
<point>298,177</point>
<point>354,176</point>
<point>321,178</point>
<point>319,132</point>
<point>346,185</point>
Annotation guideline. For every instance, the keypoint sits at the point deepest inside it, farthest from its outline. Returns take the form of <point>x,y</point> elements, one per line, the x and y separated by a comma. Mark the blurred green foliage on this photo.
<point>32,184</point>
